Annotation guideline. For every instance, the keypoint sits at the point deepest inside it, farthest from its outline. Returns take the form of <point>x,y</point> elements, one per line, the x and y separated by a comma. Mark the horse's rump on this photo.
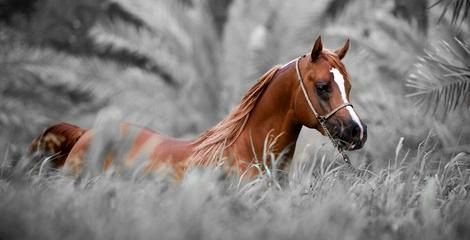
<point>57,140</point>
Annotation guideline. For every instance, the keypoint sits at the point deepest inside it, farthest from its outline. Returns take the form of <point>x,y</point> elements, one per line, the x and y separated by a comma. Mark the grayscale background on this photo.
<point>180,66</point>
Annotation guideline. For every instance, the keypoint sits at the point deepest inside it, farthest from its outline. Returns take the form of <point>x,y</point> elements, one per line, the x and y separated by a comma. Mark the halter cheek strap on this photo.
<point>322,118</point>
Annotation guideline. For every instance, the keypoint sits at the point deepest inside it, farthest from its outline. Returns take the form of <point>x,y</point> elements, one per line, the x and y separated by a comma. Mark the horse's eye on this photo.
<point>323,89</point>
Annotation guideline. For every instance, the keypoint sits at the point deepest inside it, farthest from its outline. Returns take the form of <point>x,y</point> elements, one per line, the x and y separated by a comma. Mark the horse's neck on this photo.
<point>272,120</point>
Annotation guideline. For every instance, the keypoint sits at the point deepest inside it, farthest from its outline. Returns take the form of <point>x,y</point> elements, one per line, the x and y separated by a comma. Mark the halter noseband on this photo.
<point>322,118</point>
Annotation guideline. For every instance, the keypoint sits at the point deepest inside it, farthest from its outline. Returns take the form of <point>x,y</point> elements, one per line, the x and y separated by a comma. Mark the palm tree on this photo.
<point>54,52</point>
<point>65,26</point>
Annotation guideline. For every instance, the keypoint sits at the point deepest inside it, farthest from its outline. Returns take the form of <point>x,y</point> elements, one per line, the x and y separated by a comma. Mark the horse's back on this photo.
<point>126,146</point>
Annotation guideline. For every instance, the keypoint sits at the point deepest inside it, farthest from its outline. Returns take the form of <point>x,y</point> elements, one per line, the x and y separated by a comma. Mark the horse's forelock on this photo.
<point>335,62</point>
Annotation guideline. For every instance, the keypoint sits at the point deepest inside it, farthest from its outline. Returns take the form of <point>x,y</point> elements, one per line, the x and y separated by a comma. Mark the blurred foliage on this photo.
<point>219,12</point>
<point>413,11</point>
<point>81,44</point>
<point>65,26</point>
<point>11,9</point>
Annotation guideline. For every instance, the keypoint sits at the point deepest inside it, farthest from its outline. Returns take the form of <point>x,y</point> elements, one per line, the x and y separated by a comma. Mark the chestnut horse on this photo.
<point>312,91</point>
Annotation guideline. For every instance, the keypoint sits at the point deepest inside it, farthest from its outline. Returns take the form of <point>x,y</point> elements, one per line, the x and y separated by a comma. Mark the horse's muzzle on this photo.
<point>350,135</point>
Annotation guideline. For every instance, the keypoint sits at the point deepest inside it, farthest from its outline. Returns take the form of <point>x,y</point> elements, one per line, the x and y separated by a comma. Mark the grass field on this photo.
<point>150,62</point>
<point>320,200</point>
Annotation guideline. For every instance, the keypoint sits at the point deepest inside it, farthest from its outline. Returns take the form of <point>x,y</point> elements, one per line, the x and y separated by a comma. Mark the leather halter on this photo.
<point>322,118</point>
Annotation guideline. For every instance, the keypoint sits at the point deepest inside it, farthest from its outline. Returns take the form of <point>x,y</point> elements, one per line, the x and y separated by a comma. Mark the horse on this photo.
<point>311,90</point>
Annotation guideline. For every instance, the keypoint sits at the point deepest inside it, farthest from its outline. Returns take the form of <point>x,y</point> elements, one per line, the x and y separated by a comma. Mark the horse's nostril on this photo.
<point>356,130</point>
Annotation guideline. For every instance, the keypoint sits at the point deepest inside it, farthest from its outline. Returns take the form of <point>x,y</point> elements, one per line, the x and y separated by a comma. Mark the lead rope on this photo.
<point>322,119</point>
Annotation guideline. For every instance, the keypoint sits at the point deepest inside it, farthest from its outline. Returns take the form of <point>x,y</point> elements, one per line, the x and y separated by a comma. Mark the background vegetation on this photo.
<point>180,66</point>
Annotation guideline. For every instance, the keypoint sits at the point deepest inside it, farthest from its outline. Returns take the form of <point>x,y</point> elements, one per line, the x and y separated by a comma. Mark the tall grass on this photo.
<point>322,200</point>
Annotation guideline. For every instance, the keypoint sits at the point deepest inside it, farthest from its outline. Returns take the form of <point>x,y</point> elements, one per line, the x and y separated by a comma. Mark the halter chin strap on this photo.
<point>322,118</point>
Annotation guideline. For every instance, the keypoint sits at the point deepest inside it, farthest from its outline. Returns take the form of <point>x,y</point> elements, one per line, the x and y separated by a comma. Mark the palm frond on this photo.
<point>129,57</point>
<point>459,9</point>
<point>182,47</point>
<point>66,26</point>
<point>441,80</point>
<point>35,94</point>
<point>115,11</point>
<point>117,42</point>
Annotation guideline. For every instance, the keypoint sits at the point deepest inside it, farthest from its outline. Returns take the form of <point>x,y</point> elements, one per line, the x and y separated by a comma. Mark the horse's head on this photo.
<point>324,87</point>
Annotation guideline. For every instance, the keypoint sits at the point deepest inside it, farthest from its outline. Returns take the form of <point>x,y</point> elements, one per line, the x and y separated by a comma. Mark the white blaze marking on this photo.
<point>339,79</point>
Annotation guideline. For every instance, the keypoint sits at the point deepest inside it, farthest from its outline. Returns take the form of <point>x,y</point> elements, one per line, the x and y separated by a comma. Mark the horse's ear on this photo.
<point>341,52</point>
<point>317,48</point>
